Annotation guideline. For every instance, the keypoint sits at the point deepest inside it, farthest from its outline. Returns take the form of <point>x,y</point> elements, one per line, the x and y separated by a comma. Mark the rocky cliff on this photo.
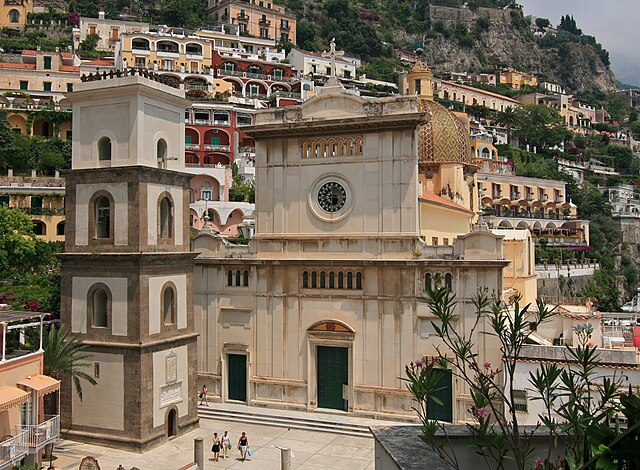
<point>508,42</point>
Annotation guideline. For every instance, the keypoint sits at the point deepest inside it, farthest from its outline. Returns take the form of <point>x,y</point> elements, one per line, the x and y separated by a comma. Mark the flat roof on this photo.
<point>8,316</point>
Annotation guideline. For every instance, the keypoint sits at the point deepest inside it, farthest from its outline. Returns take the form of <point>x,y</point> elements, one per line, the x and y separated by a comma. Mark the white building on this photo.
<point>310,63</point>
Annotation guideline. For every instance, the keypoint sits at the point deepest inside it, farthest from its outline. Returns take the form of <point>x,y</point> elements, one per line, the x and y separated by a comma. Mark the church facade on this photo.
<point>322,310</point>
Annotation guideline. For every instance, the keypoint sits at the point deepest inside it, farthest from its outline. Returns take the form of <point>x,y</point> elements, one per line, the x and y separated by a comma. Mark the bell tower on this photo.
<point>127,270</point>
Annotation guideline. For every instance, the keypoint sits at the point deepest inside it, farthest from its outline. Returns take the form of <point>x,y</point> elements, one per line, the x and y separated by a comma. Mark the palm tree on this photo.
<point>508,118</point>
<point>64,356</point>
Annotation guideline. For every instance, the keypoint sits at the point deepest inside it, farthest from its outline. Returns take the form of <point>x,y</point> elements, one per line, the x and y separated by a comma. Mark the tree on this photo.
<point>634,127</point>
<point>542,23</point>
<point>17,240</point>
<point>540,126</point>
<point>507,118</point>
<point>64,357</point>
<point>90,42</point>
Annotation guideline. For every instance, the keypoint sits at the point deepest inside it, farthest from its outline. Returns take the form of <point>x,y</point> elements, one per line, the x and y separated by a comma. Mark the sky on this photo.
<point>614,23</point>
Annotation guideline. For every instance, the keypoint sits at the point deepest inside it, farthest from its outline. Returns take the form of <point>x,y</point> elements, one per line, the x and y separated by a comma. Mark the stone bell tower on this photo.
<point>127,269</point>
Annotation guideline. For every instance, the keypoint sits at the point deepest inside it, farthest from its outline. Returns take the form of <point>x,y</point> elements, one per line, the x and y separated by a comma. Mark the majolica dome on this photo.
<point>444,139</point>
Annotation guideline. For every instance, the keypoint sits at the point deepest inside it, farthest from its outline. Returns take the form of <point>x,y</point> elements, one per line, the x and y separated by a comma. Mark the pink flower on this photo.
<point>487,365</point>
<point>482,412</point>
<point>538,463</point>
<point>419,362</point>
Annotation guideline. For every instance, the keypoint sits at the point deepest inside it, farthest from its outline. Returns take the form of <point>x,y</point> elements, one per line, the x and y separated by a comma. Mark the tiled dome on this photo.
<point>444,139</point>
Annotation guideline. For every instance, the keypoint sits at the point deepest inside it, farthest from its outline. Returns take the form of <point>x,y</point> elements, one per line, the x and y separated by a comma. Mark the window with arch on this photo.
<point>60,228</point>
<point>161,152</point>
<point>99,306</point>
<point>238,278</point>
<point>169,305</point>
<point>428,282</point>
<point>14,16</point>
<point>104,149</point>
<point>448,281</point>
<point>165,218</point>
<point>332,280</point>
<point>102,215</point>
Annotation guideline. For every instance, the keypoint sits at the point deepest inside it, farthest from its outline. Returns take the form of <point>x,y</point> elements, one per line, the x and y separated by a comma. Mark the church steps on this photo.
<point>322,423</point>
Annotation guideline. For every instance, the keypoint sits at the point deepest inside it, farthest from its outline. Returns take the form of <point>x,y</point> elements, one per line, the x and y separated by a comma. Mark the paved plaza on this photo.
<point>311,449</point>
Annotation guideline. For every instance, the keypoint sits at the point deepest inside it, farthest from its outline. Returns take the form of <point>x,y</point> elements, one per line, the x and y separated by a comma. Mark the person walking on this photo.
<point>243,445</point>
<point>215,448</point>
<point>226,444</point>
<point>203,395</point>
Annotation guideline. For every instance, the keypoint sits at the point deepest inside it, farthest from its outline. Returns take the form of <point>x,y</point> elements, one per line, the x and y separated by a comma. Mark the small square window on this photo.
<point>69,87</point>
<point>24,85</point>
<point>47,86</point>
<point>47,63</point>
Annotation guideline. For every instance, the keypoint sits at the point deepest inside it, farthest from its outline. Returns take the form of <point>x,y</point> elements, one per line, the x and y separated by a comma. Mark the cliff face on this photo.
<point>504,44</point>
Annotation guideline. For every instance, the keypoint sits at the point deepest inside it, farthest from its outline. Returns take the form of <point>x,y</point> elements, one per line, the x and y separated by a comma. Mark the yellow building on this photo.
<point>38,83</point>
<point>518,80</point>
<point>164,52</point>
<point>471,96</point>
<point>259,18</point>
<point>41,197</point>
<point>13,13</point>
<point>519,277</point>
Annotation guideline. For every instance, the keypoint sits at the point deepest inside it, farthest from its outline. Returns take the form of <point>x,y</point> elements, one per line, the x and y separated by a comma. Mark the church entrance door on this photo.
<point>237,377</point>
<point>333,374</point>
<point>442,411</point>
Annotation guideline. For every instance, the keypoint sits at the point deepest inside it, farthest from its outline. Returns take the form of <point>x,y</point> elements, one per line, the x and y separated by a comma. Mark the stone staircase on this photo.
<point>336,423</point>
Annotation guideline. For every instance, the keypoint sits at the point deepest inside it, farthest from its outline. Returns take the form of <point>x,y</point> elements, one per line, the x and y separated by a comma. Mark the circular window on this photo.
<point>330,198</point>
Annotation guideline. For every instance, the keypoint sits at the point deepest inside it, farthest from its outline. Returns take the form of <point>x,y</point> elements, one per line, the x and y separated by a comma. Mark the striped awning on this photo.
<point>43,384</point>
<point>10,397</point>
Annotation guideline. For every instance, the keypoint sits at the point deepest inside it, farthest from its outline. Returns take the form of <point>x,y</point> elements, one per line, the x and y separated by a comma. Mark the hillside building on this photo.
<point>259,18</point>
<point>109,31</point>
<point>13,13</point>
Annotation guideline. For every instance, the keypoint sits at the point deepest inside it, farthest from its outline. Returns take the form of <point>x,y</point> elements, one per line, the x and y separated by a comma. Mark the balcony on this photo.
<point>217,148</point>
<point>285,27</point>
<point>169,53</point>
<point>202,122</point>
<point>140,51</point>
<point>39,435</point>
<point>192,146</point>
<point>196,87</point>
<point>242,18</point>
<point>264,22</point>
<point>221,123</point>
<point>13,449</point>
<point>42,211</point>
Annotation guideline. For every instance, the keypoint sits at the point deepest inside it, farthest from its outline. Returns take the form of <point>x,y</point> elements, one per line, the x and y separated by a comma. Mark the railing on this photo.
<point>217,122</point>
<point>217,148</point>
<point>39,435</point>
<point>257,96</point>
<point>192,165</point>
<point>205,122</point>
<point>137,50</point>
<point>533,215</point>
<point>260,76</point>
<point>288,94</point>
<point>13,449</point>
<point>192,146</point>
<point>42,211</point>
<point>197,87</point>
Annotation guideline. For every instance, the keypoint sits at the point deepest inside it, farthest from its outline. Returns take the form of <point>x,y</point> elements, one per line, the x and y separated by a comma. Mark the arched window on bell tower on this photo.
<point>99,306</point>
<point>169,304</point>
<point>104,149</point>
<point>165,218</point>
<point>161,153</point>
<point>102,217</point>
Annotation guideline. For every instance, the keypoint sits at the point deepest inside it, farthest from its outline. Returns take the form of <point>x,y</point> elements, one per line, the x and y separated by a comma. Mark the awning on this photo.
<point>43,384</point>
<point>10,397</point>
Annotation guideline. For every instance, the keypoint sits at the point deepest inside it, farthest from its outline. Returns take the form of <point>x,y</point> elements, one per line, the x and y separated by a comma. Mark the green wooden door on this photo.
<point>333,373</point>
<point>444,392</point>
<point>237,375</point>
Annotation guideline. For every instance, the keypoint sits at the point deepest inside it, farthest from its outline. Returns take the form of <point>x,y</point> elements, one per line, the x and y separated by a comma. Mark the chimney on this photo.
<point>101,15</point>
<point>10,172</point>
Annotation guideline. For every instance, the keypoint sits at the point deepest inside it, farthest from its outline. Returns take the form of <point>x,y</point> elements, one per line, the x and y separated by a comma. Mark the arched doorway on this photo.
<point>331,356</point>
<point>172,423</point>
